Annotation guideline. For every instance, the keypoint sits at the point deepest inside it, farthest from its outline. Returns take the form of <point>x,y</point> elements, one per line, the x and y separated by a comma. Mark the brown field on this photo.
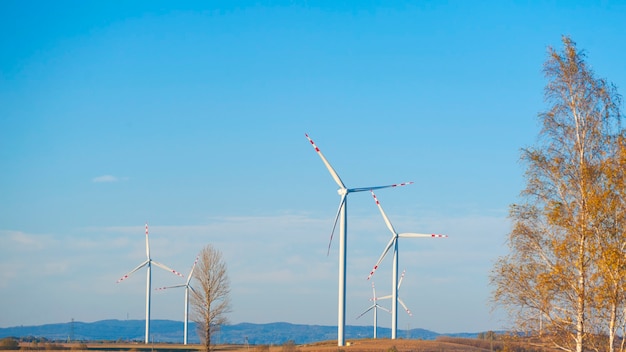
<point>362,345</point>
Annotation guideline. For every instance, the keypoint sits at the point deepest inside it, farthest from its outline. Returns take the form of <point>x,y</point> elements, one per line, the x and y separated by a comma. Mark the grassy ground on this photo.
<point>362,345</point>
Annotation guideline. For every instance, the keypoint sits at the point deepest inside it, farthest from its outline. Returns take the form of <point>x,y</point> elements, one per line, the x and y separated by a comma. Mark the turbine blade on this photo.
<point>389,226</point>
<point>332,171</point>
<point>383,297</point>
<point>383,308</point>
<point>365,189</point>
<point>166,287</point>
<point>192,267</point>
<point>368,309</point>
<point>341,203</point>
<point>373,291</point>
<point>389,245</point>
<point>414,235</point>
<point>147,243</point>
<point>405,307</point>
<point>401,278</point>
<point>132,271</point>
<point>164,267</point>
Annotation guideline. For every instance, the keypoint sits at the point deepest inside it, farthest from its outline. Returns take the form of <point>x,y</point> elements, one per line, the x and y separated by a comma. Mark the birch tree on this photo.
<point>548,282</point>
<point>210,298</point>
<point>609,245</point>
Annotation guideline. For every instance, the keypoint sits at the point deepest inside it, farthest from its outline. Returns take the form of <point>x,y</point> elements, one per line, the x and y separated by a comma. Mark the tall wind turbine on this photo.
<point>148,263</point>
<point>394,242</point>
<point>342,213</point>
<point>375,307</point>
<point>187,287</point>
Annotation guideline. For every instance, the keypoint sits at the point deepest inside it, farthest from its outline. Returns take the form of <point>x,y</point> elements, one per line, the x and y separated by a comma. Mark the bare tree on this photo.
<point>549,280</point>
<point>210,298</point>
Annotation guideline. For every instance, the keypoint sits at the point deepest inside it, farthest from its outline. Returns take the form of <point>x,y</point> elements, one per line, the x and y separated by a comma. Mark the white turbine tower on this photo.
<point>394,242</point>
<point>148,263</point>
<point>375,307</point>
<point>187,287</point>
<point>342,213</point>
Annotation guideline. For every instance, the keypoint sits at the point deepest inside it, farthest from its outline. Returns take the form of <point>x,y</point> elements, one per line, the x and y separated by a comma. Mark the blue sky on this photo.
<point>192,116</point>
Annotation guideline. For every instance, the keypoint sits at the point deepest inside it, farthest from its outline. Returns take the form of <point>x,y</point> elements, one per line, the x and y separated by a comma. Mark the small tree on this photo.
<point>210,296</point>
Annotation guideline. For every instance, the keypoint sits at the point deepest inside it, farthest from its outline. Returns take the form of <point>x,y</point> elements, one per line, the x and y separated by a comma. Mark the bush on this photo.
<point>289,346</point>
<point>392,349</point>
<point>9,343</point>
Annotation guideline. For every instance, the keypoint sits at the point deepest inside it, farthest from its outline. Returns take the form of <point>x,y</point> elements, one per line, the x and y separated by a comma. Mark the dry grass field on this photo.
<point>363,345</point>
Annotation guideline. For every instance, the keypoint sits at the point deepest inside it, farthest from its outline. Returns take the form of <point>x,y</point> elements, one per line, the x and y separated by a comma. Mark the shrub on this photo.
<point>289,346</point>
<point>9,343</point>
<point>392,349</point>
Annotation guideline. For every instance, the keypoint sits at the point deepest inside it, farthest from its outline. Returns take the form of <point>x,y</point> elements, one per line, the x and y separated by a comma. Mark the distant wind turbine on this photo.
<point>187,287</point>
<point>408,311</point>
<point>148,263</point>
<point>342,213</point>
<point>394,242</point>
<point>375,307</point>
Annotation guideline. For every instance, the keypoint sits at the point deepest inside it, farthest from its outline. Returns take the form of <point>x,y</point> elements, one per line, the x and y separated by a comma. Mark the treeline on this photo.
<point>35,343</point>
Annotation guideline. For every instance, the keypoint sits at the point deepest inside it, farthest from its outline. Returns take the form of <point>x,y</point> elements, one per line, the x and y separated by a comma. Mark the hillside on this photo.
<point>172,331</point>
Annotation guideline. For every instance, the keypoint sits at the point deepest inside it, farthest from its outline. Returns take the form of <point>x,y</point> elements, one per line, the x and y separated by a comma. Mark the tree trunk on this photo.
<point>612,321</point>
<point>580,307</point>
<point>207,341</point>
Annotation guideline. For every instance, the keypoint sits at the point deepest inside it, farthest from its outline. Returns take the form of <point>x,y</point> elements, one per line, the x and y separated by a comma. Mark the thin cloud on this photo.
<point>23,240</point>
<point>105,178</point>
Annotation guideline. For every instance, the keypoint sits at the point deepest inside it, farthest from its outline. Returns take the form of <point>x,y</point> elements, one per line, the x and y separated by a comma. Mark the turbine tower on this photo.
<point>148,263</point>
<point>375,307</point>
<point>394,242</point>
<point>342,213</point>
<point>187,287</point>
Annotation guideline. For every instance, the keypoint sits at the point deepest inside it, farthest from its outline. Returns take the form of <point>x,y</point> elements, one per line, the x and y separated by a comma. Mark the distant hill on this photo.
<point>172,331</point>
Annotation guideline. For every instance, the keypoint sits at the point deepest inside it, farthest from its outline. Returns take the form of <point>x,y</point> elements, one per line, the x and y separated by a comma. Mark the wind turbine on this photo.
<point>375,307</point>
<point>187,287</point>
<point>148,263</point>
<point>408,311</point>
<point>342,213</point>
<point>394,242</point>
